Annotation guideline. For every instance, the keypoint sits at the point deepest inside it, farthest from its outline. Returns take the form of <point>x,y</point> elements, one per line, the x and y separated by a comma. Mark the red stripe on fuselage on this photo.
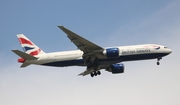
<point>24,41</point>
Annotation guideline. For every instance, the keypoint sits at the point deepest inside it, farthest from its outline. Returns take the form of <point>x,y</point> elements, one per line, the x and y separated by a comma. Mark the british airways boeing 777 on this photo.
<point>93,56</point>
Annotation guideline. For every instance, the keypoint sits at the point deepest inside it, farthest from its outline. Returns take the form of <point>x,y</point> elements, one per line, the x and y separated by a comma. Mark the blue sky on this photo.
<point>38,19</point>
<point>106,23</point>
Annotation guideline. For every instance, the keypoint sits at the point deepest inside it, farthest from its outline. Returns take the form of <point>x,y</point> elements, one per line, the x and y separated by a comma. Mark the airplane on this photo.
<point>89,54</point>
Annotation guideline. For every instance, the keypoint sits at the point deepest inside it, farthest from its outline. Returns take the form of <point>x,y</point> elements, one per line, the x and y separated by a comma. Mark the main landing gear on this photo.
<point>95,73</point>
<point>158,59</point>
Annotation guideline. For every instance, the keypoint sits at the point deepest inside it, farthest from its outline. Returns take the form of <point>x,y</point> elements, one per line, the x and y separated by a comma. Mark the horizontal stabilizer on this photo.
<point>24,55</point>
<point>25,64</point>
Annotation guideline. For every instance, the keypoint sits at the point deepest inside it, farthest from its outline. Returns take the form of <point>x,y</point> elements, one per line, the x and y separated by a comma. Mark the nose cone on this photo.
<point>169,51</point>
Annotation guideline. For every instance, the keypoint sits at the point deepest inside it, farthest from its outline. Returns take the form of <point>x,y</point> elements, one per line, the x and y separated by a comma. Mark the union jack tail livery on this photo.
<point>31,51</point>
<point>28,46</point>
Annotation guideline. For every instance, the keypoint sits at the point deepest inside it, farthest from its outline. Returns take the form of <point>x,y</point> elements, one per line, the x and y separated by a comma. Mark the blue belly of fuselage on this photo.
<point>80,62</point>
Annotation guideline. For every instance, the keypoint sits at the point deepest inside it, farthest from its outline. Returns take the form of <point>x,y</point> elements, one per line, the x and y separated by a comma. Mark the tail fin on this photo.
<point>28,46</point>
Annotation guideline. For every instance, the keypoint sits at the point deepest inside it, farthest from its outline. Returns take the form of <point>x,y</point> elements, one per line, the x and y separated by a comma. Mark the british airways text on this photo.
<point>136,51</point>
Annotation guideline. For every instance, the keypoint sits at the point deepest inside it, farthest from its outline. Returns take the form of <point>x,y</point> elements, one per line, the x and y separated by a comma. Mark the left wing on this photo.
<point>90,49</point>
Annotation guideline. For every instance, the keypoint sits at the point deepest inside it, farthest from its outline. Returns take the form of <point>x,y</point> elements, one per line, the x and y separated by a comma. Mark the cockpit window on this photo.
<point>165,47</point>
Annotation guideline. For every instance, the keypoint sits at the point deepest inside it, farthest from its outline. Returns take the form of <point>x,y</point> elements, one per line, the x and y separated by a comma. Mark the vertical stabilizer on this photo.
<point>28,46</point>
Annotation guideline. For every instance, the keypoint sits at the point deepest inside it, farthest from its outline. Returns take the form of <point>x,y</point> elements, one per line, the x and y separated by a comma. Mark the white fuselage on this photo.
<point>126,53</point>
<point>91,55</point>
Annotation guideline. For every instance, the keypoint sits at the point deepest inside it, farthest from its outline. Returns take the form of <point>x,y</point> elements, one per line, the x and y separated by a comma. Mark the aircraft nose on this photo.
<point>169,51</point>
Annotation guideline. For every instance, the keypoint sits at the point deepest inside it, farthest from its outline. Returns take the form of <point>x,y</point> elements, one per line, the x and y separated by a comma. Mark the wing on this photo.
<point>82,43</point>
<point>90,49</point>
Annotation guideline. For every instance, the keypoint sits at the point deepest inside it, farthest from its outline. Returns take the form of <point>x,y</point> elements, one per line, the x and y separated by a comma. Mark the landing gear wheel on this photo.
<point>92,75</point>
<point>98,72</point>
<point>158,63</point>
<point>95,74</point>
<point>158,59</point>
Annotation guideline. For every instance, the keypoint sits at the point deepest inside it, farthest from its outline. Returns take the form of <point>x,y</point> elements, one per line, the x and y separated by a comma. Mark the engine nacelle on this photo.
<point>111,52</point>
<point>116,68</point>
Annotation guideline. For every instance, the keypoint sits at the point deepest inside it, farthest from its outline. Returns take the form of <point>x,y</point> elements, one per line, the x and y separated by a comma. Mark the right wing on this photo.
<point>94,68</point>
<point>87,71</point>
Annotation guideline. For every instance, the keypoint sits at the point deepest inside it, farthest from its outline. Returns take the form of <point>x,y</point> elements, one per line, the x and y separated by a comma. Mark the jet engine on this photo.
<point>116,68</point>
<point>111,52</point>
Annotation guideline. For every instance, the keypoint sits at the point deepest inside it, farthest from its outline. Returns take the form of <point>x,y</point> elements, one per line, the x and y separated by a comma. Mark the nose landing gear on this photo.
<point>158,59</point>
<point>158,63</point>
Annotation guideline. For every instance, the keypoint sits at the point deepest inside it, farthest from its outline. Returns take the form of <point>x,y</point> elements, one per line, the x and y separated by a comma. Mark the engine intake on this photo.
<point>116,68</point>
<point>111,52</point>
